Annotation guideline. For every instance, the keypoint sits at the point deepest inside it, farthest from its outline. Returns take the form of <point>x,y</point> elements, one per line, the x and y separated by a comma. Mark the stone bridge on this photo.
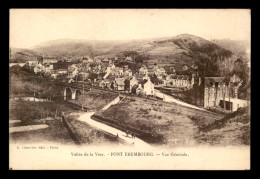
<point>74,91</point>
<point>71,93</point>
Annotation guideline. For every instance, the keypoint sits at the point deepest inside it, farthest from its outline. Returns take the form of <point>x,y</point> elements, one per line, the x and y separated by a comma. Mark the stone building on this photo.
<point>215,88</point>
<point>219,90</point>
<point>179,81</point>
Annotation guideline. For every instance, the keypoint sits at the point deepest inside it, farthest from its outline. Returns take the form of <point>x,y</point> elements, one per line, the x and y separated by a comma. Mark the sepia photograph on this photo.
<point>129,89</point>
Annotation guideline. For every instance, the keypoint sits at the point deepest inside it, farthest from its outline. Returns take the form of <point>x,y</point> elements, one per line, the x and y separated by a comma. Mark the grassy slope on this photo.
<point>232,129</point>
<point>95,99</point>
<point>170,120</point>
<point>177,122</point>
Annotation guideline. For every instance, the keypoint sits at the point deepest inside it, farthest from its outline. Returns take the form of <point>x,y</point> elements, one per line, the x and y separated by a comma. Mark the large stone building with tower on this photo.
<point>222,92</point>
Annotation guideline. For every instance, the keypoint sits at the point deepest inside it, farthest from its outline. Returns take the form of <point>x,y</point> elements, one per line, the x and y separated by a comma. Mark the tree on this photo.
<point>127,84</point>
<point>92,76</point>
<point>241,69</point>
<point>154,79</point>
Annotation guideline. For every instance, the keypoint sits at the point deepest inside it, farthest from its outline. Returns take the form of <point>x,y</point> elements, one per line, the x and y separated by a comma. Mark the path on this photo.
<point>168,98</point>
<point>86,117</point>
<point>14,121</point>
<point>27,128</point>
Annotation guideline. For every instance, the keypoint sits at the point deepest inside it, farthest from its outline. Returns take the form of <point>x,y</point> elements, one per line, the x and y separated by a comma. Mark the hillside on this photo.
<point>238,47</point>
<point>234,129</point>
<point>166,52</point>
<point>18,55</point>
<point>163,51</point>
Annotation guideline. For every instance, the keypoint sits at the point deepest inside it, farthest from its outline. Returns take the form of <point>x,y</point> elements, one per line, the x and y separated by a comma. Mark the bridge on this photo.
<point>74,90</point>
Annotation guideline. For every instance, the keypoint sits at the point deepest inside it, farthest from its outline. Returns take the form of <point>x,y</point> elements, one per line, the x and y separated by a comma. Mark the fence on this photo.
<point>146,136</point>
<point>71,130</point>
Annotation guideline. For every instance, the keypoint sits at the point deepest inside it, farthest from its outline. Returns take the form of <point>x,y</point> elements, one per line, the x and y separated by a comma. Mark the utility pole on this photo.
<point>33,90</point>
<point>83,96</point>
<point>164,102</point>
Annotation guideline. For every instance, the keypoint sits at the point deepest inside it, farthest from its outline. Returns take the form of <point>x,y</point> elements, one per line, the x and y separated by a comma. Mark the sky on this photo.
<point>30,27</point>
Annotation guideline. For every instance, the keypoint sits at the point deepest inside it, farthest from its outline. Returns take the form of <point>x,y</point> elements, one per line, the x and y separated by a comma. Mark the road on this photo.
<point>168,98</point>
<point>86,117</point>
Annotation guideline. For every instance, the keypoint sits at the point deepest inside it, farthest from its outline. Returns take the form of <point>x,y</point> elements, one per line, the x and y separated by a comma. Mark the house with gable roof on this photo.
<point>119,84</point>
<point>148,87</point>
<point>143,70</point>
<point>145,87</point>
<point>133,82</point>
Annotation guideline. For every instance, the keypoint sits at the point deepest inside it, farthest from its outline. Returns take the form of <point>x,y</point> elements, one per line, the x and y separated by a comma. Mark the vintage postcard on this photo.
<point>129,89</point>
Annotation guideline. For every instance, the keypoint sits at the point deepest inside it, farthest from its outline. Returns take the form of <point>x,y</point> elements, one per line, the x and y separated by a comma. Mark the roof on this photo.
<point>120,81</point>
<point>150,70</point>
<point>179,77</point>
<point>82,72</point>
<point>235,100</point>
<point>107,80</point>
<point>119,68</point>
<point>216,79</point>
<point>53,58</point>
<point>127,78</point>
<point>209,80</point>
<point>143,68</point>
<point>98,81</point>
<point>139,76</point>
<point>135,87</point>
<point>128,70</point>
<point>183,77</point>
<point>142,82</point>
<point>161,69</point>
<point>110,76</point>
<point>132,78</point>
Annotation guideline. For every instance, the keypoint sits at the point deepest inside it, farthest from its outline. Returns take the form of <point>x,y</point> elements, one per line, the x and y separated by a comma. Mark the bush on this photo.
<point>146,111</point>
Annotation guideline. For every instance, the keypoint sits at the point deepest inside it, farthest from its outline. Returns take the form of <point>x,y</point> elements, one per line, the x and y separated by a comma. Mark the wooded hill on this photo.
<point>163,51</point>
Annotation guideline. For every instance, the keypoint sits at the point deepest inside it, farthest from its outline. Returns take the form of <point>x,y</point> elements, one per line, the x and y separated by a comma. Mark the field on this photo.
<point>23,82</point>
<point>33,113</point>
<point>177,124</point>
<point>94,99</point>
<point>29,112</point>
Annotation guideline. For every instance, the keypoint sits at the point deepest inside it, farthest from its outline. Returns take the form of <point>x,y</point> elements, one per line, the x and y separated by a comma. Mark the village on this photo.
<point>218,93</point>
